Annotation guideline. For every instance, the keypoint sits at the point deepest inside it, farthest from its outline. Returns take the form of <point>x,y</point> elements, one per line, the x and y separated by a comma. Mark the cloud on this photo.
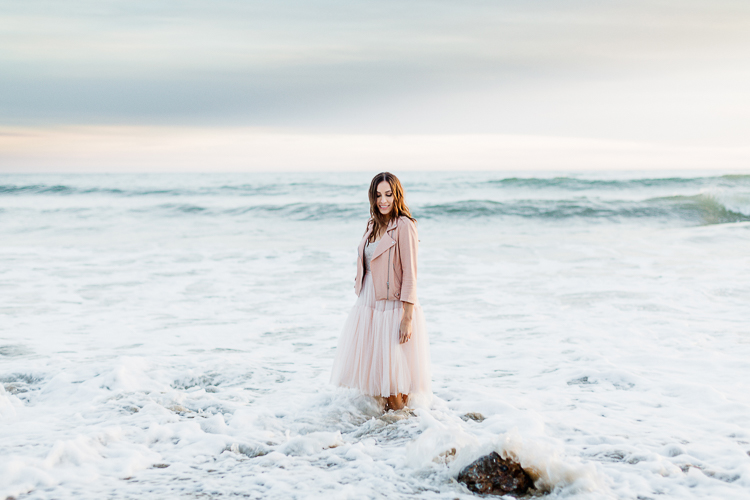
<point>640,70</point>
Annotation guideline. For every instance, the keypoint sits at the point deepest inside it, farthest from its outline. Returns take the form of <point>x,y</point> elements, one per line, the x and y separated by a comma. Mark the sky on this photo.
<point>342,85</point>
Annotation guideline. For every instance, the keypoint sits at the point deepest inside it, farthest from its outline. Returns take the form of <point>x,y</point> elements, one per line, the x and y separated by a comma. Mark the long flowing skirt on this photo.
<point>369,356</point>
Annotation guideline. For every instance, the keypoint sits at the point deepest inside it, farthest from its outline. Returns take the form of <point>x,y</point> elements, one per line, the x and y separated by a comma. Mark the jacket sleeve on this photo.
<point>407,243</point>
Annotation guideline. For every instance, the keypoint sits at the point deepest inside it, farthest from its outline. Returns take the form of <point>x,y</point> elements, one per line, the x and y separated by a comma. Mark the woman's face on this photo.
<point>385,197</point>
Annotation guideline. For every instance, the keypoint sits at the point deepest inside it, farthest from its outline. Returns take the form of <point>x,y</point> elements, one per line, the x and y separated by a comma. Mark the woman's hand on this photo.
<point>404,330</point>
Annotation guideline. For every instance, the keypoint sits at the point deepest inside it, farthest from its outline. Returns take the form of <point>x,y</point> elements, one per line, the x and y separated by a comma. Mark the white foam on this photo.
<point>192,354</point>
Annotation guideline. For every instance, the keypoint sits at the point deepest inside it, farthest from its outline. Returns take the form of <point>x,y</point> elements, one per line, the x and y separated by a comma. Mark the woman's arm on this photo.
<point>408,252</point>
<point>407,243</point>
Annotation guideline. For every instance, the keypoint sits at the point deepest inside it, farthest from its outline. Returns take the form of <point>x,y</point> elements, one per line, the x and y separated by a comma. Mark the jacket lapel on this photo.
<point>387,240</point>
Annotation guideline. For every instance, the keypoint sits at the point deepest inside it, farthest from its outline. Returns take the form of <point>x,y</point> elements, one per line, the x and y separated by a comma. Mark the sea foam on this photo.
<point>165,336</point>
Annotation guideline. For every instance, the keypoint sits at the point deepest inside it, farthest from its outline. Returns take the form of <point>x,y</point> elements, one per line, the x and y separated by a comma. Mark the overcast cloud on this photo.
<point>639,70</point>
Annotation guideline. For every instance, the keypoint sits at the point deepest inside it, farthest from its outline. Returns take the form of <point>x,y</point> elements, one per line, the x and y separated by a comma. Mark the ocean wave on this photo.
<point>696,209</point>
<point>701,209</point>
<point>294,211</point>
<point>158,187</point>
<point>539,209</point>
<point>685,200</point>
<point>259,189</point>
<point>704,208</point>
<point>582,184</point>
<point>64,190</point>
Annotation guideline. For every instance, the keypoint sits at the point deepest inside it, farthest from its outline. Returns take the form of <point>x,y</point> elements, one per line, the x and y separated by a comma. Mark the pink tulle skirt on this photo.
<point>369,356</point>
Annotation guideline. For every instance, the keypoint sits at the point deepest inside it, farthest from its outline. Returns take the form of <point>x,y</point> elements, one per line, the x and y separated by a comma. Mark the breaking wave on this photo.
<point>700,209</point>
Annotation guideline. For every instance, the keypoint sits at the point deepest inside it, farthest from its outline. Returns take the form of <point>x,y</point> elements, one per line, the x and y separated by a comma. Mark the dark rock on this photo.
<point>494,475</point>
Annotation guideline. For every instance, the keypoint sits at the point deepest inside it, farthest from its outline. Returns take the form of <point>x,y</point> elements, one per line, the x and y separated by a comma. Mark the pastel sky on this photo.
<point>84,84</point>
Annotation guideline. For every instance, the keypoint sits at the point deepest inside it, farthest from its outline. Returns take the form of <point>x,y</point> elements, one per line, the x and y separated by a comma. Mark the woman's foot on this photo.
<point>397,402</point>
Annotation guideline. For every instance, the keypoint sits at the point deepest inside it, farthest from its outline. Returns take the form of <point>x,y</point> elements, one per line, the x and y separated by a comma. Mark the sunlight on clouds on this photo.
<point>164,149</point>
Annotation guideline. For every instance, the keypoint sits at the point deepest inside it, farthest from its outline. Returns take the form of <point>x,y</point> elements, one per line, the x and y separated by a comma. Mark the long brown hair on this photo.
<point>378,220</point>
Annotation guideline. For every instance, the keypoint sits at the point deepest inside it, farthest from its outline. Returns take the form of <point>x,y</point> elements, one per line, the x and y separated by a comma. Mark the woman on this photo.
<point>383,350</point>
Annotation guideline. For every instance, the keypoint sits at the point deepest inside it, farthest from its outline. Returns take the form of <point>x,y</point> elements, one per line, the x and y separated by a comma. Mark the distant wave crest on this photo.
<point>701,209</point>
<point>265,189</point>
<point>699,200</point>
<point>294,211</point>
<point>698,209</point>
<point>282,188</point>
<point>578,184</point>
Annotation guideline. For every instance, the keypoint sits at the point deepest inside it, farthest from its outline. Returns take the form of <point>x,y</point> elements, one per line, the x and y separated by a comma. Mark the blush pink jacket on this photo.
<point>394,263</point>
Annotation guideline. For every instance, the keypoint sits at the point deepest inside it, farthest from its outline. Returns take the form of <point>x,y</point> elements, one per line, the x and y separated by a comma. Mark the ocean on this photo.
<point>171,336</point>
